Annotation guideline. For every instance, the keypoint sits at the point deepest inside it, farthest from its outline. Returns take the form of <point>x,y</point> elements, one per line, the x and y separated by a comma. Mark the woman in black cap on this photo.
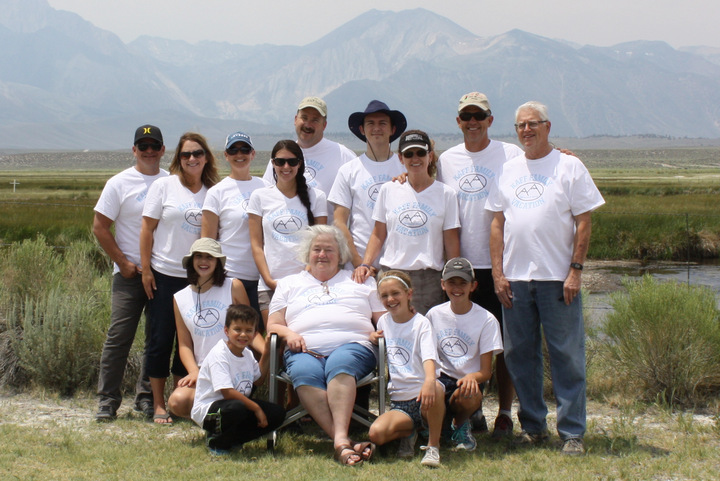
<point>417,222</point>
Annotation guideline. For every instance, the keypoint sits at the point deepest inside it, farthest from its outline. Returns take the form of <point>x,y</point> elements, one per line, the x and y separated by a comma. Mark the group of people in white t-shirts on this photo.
<point>401,231</point>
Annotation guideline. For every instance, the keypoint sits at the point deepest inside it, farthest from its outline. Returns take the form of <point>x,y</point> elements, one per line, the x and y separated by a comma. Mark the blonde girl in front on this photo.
<point>416,396</point>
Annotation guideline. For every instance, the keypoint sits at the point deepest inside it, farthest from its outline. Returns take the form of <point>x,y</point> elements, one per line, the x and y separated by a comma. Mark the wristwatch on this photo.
<point>576,265</point>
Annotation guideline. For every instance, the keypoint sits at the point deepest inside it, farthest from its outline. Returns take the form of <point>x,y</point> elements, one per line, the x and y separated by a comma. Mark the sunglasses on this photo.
<point>408,154</point>
<point>243,149</point>
<point>195,153</point>
<point>143,146</point>
<point>292,161</point>
<point>479,115</point>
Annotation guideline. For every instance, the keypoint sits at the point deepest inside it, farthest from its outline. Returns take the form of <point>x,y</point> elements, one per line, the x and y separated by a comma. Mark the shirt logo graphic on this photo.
<point>206,318</point>
<point>453,347</point>
<point>245,387</point>
<point>322,297</point>
<point>398,356</point>
<point>309,173</point>
<point>194,217</point>
<point>472,183</point>
<point>413,218</point>
<point>287,224</point>
<point>373,191</point>
<point>529,191</point>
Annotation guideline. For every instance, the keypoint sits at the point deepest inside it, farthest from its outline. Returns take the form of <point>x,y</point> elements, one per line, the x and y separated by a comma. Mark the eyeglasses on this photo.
<point>479,115</point>
<point>533,124</point>
<point>292,161</point>
<point>143,146</point>
<point>195,153</point>
<point>408,154</point>
<point>243,149</point>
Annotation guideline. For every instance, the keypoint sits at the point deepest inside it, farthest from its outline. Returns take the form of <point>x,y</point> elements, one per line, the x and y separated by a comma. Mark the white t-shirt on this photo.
<point>539,199</point>
<point>415,224</point>
<point>408,345</point>
<point>328,314</point>
<point>463,338</point>
<point>207,326</point>
<point>322,162</point>
<point>228,200</point>
<point>179,212</point>
<point>356,188</point>
<point>122,201</point>
<point>472,176</point>
<point>282,221</point>
<point>223,370</point>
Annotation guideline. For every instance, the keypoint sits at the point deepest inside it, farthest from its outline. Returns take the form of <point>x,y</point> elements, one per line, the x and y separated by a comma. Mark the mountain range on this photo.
<point>66,84</point>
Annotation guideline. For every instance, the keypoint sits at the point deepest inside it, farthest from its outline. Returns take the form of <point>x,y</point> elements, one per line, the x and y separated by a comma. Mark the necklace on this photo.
<point>198,305</point>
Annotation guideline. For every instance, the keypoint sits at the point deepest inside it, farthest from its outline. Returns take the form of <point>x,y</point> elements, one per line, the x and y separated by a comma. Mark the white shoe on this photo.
<point>406,449</point>
<point>431,457</point>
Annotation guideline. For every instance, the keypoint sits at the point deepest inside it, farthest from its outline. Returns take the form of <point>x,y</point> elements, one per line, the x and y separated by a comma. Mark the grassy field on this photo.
<point>53,438</point>
<point>661,203</point>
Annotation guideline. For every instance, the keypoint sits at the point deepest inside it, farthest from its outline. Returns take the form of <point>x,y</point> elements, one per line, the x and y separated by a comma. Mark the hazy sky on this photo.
<point>289,22</point>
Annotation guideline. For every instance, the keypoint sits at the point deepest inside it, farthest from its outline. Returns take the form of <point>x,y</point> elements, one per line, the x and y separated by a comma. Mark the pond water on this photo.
<point>706,274</point>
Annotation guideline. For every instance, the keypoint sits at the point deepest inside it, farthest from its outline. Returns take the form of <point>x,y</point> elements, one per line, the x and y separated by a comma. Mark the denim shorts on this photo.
<point>307,370</point>
<point>410,407</point>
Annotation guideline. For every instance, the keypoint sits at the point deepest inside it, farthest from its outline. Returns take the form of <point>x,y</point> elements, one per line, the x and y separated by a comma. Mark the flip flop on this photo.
<point>344,459</point>
<point>366,451</point>
<point>165,417</point>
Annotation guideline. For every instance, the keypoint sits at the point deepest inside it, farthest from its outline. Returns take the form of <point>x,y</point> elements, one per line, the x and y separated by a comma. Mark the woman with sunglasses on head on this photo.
<point>171,223</point>
<point>225,215</point>
<point>417,222</point>
<point>277,215</point>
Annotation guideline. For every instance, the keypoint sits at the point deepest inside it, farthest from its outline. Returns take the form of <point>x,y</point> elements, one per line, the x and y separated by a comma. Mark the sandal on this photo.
<point>366,450</point>
<point>167,421</point>
<point>344,459</point>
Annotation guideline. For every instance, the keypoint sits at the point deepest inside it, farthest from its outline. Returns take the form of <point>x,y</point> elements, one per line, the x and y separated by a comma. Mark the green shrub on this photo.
<point>58,339</point>
<point>29,269</point>
<point>663,340</point>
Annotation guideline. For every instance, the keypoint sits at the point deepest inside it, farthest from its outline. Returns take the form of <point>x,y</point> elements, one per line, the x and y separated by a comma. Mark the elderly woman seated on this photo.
<point>325,319</point>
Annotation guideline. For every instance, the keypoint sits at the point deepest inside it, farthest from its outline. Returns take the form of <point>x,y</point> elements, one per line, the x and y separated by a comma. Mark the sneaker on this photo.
<point>406,449</point>
<point>431,457</point>
<point>145,407</point>
<point>531,438</point>
<point>463,439</point>
<point>218,451</point>
<point>573,447</point>
<point>503,427</point>
<point>479,423</point>
<point>105,414</point>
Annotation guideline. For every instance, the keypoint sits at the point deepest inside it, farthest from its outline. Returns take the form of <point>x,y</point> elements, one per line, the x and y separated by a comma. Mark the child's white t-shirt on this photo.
<point>463,338</point>
<point>408,345</point>
<point>223,370</point>
<point>207,326</point>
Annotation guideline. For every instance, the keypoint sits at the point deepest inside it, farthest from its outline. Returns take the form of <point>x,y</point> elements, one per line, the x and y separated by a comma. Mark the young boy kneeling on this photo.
<point>222,404</point>
<point>468,337</point>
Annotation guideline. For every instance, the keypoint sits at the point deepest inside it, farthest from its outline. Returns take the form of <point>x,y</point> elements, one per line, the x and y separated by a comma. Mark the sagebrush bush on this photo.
<point>58,339</point>
<point>29,269</point>
<point>55,309</point>
<point>663,339</point>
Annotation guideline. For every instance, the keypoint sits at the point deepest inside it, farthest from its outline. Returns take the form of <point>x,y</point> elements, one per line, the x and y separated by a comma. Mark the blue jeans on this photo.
<point>536,304</point>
